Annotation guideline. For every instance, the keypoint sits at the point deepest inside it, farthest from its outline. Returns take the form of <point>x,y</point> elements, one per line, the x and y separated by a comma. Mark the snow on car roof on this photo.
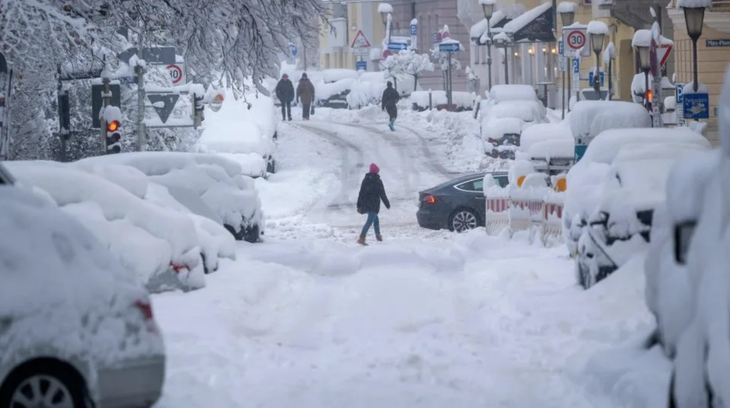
<point>590,118</point>
<point>606,146</point>
<point>543,132</point>
<point>526,111</point>
<point>502,93</point>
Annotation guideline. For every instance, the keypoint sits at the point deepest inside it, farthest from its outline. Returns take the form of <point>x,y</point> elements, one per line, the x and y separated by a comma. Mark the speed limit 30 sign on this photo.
<point>575,39</point>
<point>177,73</point>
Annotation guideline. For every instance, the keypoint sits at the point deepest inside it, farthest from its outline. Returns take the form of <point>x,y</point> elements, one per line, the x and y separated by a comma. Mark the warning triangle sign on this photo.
<point>360,41</point>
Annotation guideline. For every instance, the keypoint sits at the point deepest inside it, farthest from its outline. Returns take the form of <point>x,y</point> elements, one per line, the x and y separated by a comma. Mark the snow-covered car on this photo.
<point>160,247</point>
<point>76,329</point>
<point>218,181</point>
<point>620,225</point>
<point>588,119</point>
<point>585,178</point>
<point>244,132</point>
<point>503,124</point>
<point>550,146</point>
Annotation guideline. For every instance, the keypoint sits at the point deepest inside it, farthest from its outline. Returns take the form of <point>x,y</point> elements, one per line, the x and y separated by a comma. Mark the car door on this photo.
<point>474,190</point>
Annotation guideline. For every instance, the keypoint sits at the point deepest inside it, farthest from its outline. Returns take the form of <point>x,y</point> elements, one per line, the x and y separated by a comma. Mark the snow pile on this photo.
<point>385,8</point>
<point>609,53</point>
<point>462,100</point>
<point>556,148</point>
<point>694,3</point>
<point>642,38</point>
<point>336,75</point>
<point>545,132</point>
<point>502,93</point>
<point>567,7</point>
<point>588,119</point>
<point>369,87</point>
<point>217,180</point>
<point>56,279</point>
<point>146,238</point>
<point>325,91</point>
<point>596,27</point>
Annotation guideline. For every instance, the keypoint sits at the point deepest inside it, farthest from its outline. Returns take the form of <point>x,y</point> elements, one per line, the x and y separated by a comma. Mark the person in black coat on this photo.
<point>389,103</point>
<point>368,202</point>
<point>285,95</point>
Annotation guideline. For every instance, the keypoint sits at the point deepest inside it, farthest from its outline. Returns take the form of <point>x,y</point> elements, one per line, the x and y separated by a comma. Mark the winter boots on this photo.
<point>379,238</point>
<point>391,126</point>
<point>361,240</point>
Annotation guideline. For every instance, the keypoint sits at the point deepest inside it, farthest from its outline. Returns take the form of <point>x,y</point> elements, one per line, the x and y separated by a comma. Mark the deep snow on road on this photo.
<point>425,319</point>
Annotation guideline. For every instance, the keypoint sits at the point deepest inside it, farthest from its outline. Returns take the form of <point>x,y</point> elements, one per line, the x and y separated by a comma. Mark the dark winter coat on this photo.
<point>390,98</point>
<point>371,193</point>
<point>305,91</point>
<point>285,91</point>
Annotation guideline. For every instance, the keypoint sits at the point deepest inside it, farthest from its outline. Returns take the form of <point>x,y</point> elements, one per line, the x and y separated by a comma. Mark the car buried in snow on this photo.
<point>76,329</point>
<point>621,224</point>
<point>457,205</point>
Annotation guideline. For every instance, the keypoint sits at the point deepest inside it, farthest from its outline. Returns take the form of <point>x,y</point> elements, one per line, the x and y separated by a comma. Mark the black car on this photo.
<point>457,205</point>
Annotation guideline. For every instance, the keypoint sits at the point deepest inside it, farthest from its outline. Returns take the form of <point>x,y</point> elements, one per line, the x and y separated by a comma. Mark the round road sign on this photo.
<point>176,73</point>
<point>576,40</point>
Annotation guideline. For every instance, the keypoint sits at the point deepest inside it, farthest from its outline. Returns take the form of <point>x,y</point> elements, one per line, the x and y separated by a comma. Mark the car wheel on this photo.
<point>251,234</point>
<point>463,220</point>
<point>44,386</point>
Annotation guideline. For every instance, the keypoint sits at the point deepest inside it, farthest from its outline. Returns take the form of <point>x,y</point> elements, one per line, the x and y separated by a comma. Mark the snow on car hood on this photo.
<point>59,282</point>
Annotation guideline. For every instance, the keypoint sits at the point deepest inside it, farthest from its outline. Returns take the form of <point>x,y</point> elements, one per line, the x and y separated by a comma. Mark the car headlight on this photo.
<point>683,234</point>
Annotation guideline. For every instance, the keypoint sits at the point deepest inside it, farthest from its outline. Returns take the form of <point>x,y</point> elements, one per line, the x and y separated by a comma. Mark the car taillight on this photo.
<point>145,307</point>
<point>492,141</point>
<point>178,267</point>
<point>429,199</point>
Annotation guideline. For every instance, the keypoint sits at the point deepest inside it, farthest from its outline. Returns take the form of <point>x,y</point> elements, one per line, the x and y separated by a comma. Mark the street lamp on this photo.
<point>502,40</point>
<point>386,10</point>
<point>488,8</point>
<point>597,30</point>
<point>694,17</point>
<point>567,12</point>
<point>567,17</point>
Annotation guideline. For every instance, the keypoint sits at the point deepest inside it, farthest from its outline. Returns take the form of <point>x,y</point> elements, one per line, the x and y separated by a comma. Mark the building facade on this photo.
<point>345,21</point>
<point>713,53</point>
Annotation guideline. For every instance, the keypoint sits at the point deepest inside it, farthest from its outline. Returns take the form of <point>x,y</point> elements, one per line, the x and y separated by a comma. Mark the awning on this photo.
<point>534,25</point>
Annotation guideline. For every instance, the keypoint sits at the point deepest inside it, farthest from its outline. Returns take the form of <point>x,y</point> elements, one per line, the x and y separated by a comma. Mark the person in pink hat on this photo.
<point>372,192</point>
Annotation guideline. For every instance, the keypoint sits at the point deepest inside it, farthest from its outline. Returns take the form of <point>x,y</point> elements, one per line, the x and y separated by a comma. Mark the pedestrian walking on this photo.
<point>389,103</point>
<point>285,94</point>
<point>372,192</point>
<point>305,94</point>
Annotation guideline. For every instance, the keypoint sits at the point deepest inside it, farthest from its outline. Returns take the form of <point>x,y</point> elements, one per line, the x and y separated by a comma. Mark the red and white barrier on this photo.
<point>541,218</point>
<point>497,215</point>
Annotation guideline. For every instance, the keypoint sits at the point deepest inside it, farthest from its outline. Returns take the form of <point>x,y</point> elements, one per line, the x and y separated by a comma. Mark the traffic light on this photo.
<point>198,108</point>
<point>649,100</point>
<point>113,137</point>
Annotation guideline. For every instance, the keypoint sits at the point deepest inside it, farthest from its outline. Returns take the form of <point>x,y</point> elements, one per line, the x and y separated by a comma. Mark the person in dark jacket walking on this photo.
<point>305,94</point>
<point>285,94</point>
<point>368,202</point>
<point>389,100</point>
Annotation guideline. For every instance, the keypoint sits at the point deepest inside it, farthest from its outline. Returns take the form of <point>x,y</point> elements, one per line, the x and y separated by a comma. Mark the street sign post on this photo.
<point>696,106</point>
<point>293,50</point>
<point>177,73</point>
<point>449,48</point>
<point>576,39</point>
<point>563,64</point>
<point>397,46</point>
<point>576,74</point>
<point>590,78</point>
<point>360,45</point>
<point>680,105</point>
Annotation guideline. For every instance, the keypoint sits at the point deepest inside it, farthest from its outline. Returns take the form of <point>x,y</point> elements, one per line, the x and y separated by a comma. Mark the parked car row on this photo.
<point>76,328</point>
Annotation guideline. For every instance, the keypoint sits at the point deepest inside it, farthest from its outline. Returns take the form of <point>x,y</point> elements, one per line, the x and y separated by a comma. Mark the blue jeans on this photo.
<point>372,220</point>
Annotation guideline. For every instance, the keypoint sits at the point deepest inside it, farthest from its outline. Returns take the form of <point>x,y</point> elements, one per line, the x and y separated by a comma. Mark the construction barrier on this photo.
<point>541,218</point>
<point>496,218</point>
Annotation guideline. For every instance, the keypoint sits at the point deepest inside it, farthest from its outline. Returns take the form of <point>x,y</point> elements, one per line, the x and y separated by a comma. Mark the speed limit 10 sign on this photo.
<point>575,39</point>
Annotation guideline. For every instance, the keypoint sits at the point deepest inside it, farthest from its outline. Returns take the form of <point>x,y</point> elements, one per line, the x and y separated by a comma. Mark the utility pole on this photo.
<point>139,69</point>
<point>64,114</point>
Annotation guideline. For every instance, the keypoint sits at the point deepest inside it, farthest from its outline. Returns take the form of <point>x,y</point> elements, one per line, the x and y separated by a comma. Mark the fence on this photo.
<point>537,216</point>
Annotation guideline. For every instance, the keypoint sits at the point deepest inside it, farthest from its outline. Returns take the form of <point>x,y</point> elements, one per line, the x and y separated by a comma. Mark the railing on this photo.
<point>540,218</point>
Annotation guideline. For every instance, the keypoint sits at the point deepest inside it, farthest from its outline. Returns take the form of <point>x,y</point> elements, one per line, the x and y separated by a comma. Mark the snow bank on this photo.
<point>327,90</point>
<point>56,278</point>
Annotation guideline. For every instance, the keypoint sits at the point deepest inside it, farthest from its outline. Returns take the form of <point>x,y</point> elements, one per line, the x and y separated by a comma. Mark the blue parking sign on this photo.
<point>361,65</point>
<point>696,106</point>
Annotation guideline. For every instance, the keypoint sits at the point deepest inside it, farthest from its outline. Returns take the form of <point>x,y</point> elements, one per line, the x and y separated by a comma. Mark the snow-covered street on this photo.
<point>426,318</point>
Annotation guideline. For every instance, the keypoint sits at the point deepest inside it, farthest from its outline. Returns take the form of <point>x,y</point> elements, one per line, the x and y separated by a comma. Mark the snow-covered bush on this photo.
<point>218,181</point>
<point>159,246</point>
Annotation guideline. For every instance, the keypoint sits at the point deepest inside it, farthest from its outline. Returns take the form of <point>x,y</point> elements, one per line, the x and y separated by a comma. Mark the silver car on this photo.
<point>76,329</point>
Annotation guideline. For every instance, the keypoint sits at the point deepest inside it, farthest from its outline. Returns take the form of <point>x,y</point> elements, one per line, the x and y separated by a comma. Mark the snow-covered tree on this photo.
<point>392,67</point>
<point>415,64</point>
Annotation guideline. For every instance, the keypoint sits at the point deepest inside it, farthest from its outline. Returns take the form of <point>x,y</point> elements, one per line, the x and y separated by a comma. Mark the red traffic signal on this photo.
<point>650,96</point>
<point>112,126</point>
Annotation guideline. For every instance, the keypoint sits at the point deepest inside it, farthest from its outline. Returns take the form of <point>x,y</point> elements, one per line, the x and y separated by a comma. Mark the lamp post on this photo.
<point>386,11</point>
<point>694,17</point>
<point>502,40</point>
<point>567,17</point>
<point>488,8</point>
<point>597,43</point>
